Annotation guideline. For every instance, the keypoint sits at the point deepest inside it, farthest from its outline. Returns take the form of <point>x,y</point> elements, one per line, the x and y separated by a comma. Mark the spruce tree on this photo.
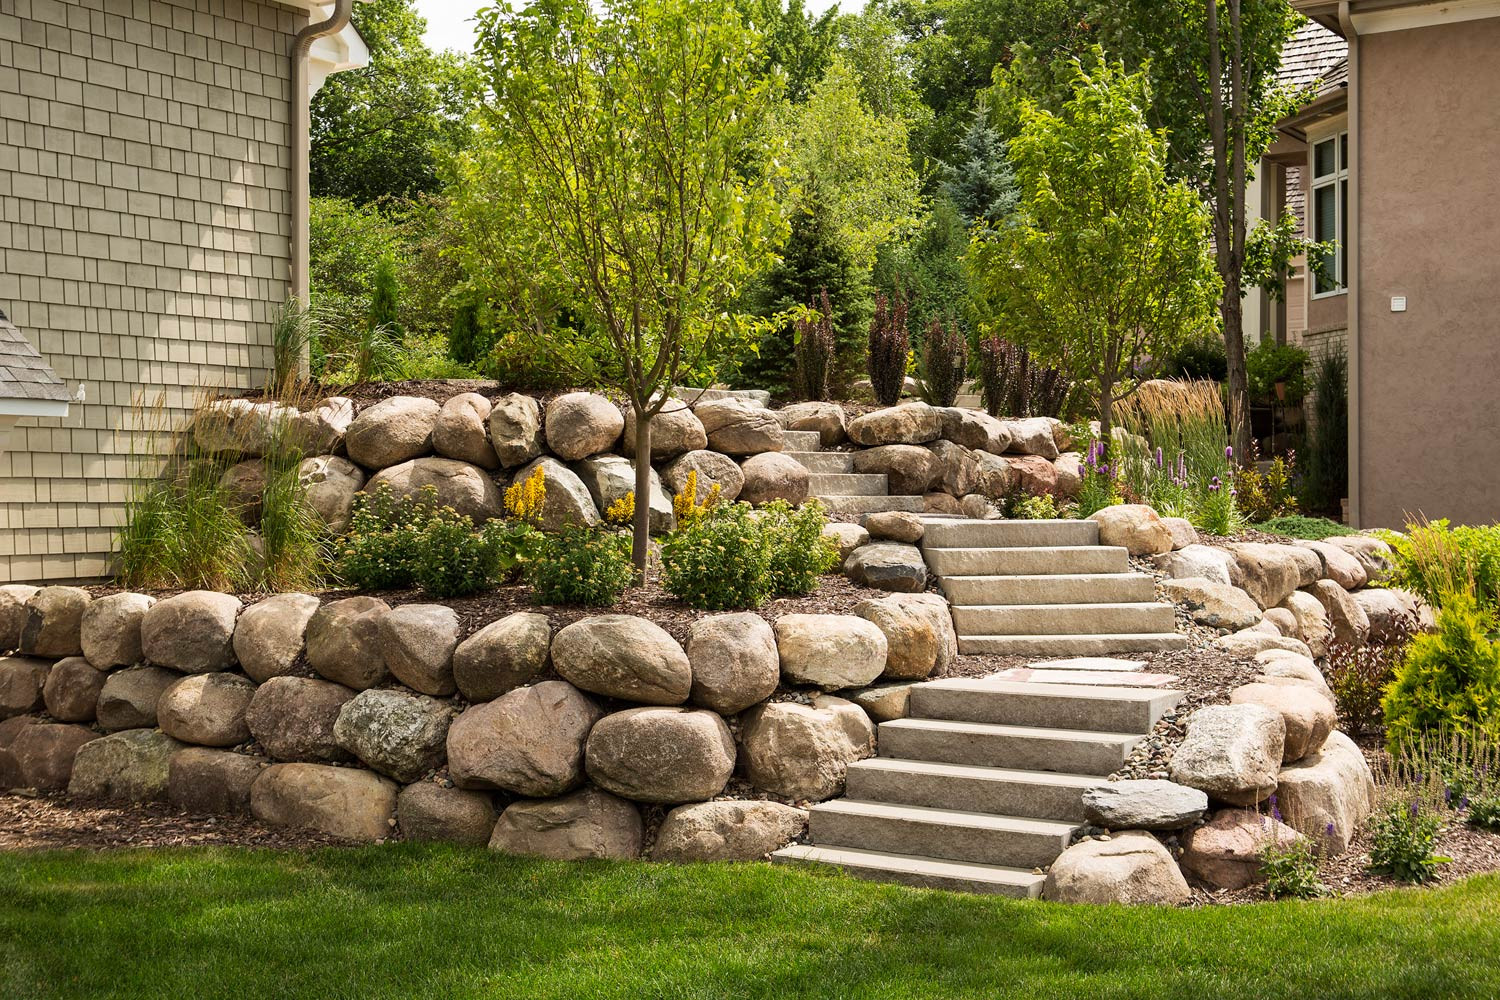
<point>980,182</point>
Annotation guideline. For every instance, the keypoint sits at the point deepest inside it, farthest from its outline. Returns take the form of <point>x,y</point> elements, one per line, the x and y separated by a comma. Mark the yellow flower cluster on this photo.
<point>622,511</point>
<point>685,505</point>
<point>524,500</point>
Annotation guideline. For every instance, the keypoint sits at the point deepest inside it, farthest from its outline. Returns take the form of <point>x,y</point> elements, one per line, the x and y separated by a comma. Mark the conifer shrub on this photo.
<point>889,346</point>
<point>1325,469</point>
<point>1449,678</point>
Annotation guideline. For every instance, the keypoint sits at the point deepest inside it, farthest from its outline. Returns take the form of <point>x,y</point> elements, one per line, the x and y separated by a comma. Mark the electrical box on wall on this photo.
<point>1398,303</point>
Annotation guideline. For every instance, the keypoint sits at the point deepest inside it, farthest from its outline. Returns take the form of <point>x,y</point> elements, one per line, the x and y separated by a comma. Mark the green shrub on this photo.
<point>380,548</point>
<point>1290,870</point>
<point>586,566</point>
<point>1484,813</point>
<point>453,559</point>
<point>1301,526</point>
<point>1404,840</point>
<point>1433,559</point>
<point>1200,358</point>
<point>1025,507</point>
<point>1265,495</point>
<point>1270,363</point>
<point>719,561</point>
<point>800,553</point>
<point>1325,471</point>
<point>1447,678</point>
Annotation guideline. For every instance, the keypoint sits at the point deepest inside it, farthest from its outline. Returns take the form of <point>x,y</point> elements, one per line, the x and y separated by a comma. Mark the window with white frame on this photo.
<point>1330,212</point>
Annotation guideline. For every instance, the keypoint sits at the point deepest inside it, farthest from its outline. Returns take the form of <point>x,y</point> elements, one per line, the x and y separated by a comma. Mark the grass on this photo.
<point>1312,529</point>
<point>410,921</point>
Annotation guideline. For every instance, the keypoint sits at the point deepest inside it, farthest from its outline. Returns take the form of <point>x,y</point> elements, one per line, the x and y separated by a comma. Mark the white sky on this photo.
<point>450,24</point>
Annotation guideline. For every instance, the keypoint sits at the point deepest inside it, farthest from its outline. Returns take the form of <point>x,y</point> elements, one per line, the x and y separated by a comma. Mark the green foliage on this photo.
<point>1174,454</point>
<point>889,344</point>
<point>1269,494</point>
<point>980,182</point>
<point>1105,261</point>
<point>385,293</point>
<point>799,551</point>
<point>1198,358</point>
<point>1301,526</point>
<point>1358,676</point>
<point>928,269</point>
<point>1012,385</point>
<point>1484,813</point>
<point>1099,487</point>
<point>1434,559</point>
<point>1447,678</point>
<point>796,41</point>
<point>719,561</point>
<point>293,332</point>
<point>1028,507</point>
<point>454,560</point>
<point>295,547</point>
<point>184,532</point>
<point>1271,363</point>
<point>395,542</point>
<point>945,363</point>
<point>1403,847</point>
<point>871,43</point>
<point>1325,469</point>
<point>469,340</point>
<point>1290,871</point>
<point>586,566</point>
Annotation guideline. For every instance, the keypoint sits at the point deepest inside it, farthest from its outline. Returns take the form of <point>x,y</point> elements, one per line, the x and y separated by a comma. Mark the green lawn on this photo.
<point>406,921</point>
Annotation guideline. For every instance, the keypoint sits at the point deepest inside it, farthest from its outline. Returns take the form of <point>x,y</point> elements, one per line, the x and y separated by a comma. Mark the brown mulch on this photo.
<point>35,823</point>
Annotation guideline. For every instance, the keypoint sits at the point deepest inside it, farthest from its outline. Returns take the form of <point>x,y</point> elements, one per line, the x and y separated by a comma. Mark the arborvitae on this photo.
<point>468,341</point>
<point>384,298</point>
<point>1325,469</point>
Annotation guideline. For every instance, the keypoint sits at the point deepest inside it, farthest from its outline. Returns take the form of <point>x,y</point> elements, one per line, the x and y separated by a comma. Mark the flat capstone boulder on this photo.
<point>585,825</point>
<point>726,831</point>
<point>1143,804</point>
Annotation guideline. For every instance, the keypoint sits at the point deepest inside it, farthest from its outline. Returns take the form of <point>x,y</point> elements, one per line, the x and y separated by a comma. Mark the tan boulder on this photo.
<point>392,431</point>
<point>713,469</point>
<point>340,802</point>
<point>830,651</point>
<point>343,642</point>
<point>54,621</point>
<point>738,427</point>
<point>895,526</point>
<point>919,633</point>
<point>1033,474</point>
<point>110,630</point>
<point>129,698</point>
<point>529,741</point>
<point>580,424</point>
<point>797,751</point>
<point>271,635</point>
<point>567,501</point>
<point>22,683</point>
<point>1392,614</point>
<point>206,709</point>
<point>1308,716</point>
<point>1347,621</point>
<point>585,825</point>
<point>427,811</point>
<point>733,660</point>
<point>674,431</point>
<point>1135,527</point>
<point>1329,794</point>
<point>132,766</point>
<point>909,470</point>
<point>13,614</point>
<point>502,656</point>
<point>846,537</point>
<point>192,633</point>
<point>466,488</point>
<point>418,641</point>
<point>726,831</point>
<point>330,483</point>
<point>515,425</point>
<point>1226,851</point>
<point>1338,565</point>
<point>292,718</point>
<point>1131,867</point>
<point>320,429</point>
<point>1213,605</point>
<point>212,782</point>
<point>1232,752</point>
<point>1311,621</point>
<point>665,755</point>
<point>462,431</point>
<point>1373,554</point>
<point>974,429</point>
<point>622,656</point>
<point>893,566</point>
<point>1268,573</point>
<point>1033,436</point>
<point>397,733</point>
<point>44,754</point>
<point>828,419</point>
<point>773,476</point>
<point>907,423</point>
<point>72,690</point>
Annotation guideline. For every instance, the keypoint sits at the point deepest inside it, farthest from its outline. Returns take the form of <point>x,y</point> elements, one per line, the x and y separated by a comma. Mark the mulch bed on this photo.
<point>35,823</point>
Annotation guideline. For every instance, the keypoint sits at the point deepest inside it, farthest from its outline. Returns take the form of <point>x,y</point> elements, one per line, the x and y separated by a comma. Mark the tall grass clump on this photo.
<point>293,332</point>
<point>1173,453</point>
<point>1434,559</point>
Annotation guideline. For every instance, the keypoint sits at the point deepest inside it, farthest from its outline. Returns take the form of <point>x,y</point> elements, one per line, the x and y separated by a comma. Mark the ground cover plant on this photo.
<point>1302,526</point>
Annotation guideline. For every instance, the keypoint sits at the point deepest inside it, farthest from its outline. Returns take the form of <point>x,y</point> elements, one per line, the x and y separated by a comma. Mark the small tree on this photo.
<point>1106,261</point>
<point>980,181</point>
<point>621,170</point>
<point>889,344</point>
<point>385,294</point>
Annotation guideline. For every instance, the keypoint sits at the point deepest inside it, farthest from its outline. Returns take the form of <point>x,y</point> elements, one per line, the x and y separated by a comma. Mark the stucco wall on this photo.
<point>144,237</point>
<point>1429,230</point>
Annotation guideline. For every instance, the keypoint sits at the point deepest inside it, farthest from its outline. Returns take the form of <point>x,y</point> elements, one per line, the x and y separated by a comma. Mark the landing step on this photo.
<point>1064,619</point>
<point>1070,645</point>
<point>1027,560</point>
<point>918,871</point>
<point>871,505</point>
<point>1024,748</point>
<point>1054,588</point>
<point>848,484</point>
<point>998,790</point>
<point>1034,703</point>
<point>832,463</point>
<point>801,440</point>
<point>952,834</point>
<point>1013,534</point>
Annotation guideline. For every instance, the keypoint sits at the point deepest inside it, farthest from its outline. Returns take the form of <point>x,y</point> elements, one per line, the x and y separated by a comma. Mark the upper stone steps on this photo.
<point>798,441</point>
<point>1070,645</point>
<point>1029,748</point>
<point>850,505</point>
<point>1055,588</point>
<point>825,462</point>
<point>848,484</point>
<point>918,871</point>
<point>1064,619</point>
<point>1027,560</point>
<point>1111,710</point>
<point>1010,534</point>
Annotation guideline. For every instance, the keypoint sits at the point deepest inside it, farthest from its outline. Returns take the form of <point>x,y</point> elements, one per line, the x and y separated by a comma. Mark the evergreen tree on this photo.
<point>929,270</point>
<point>980,182</point>
<point>385,297</point>
<point>468,340</point>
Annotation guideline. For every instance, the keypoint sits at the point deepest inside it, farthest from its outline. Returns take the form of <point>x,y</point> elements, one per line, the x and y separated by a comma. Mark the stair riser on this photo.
<point>831,463</point>
<point>937,791</point>
<point>1022,753</point>
<point>801,441</point>
<point>1013,849</point>
<point>1068,645</point>
<point>1012,534</point>
<point>848,506</point>
<point>920,880</point>
<point>1063,619</point>
<point>1106,588</point>
<point>1026,561</point>
<point>1098,715</point>
<point>825,484</point>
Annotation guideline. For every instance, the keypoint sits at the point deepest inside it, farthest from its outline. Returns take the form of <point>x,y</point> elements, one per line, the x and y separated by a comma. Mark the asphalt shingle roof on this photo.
<point>23,373</point>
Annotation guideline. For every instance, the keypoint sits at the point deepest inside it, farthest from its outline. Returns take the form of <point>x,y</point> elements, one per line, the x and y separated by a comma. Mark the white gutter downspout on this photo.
<point>1351,257</point>
<point>301,132</point>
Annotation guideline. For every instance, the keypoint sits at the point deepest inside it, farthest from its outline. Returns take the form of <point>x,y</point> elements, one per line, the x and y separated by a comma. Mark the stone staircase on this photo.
<point>981,785</point>
<point>1045,588</point>
<point>832,479</point>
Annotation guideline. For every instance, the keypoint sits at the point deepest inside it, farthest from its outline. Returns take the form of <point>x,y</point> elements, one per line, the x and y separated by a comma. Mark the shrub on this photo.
<point>1264,495</point>
<point>1098,487</point>
<point>1301,526</point>
<point>1199,358</point>
<point>800,553</point>
<point>380,549</point>
<point>385,293</point>
<point>1359,675</point>
<point>945,363</point>
<point>1484,813</point>
<point>453,560</point>
<point>1325,473</point>
<point>816,346</point>
<point>1011,385</point>
<point>719,559</point>
<point>1433,559</point>
<point>394,542</point>
<point>1271,363</point>
<point>1447,678</point>
<point>1025,507</point>
<point>1404,840</point>
<point>1290,870</point>
<point>889,344</point>
<point>586,566</point>
<point>469,341</point>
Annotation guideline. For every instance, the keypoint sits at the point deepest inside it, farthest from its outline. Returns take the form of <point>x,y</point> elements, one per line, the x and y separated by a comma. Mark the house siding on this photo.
<point>144,240</point>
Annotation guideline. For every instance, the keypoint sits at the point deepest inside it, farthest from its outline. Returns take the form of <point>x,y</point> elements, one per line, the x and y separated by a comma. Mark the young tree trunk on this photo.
<point>1106,417</point>
<point>640,545</point>
<point>1231,311</point>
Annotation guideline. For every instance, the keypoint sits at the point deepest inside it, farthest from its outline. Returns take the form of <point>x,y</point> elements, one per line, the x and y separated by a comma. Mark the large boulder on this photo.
<point>72,690</point>
<point>830,651</point>
<point>957,468</point>
<point>580,424</point>
<point>1226,851</point>
<point>1214,605</point>
<point>1310,620</point>
<point>1143,804</point>
<point>797,751</point>
<point>663,755</point>
<point>1347,621</point>
<point>585,825</point>
<point>909,470</point>
<point>392,431</point>
<point>239,426</point>
<point>733,660</point>
<point>330,483</point>
<point>738,427</point>
<point>22,683</point>
<point>1197,561</point>
<point>320,429</point>
<point>212,782</point>
<point>1307,714</point>
<point>129,698</point>
<point>1268,573</point>
<point>1373,554</point>
<point>244,487</point>
<point>419,640</point>
<point>1033,474</point>
<point>609,478</point>
<point>726,831</point>
<point>110,630</point>
<point>1034,436</point>
<point>427,811</point>
<point>567,501</point>
<point>397,733</point>
<point>132,766</point>
<point>529,741</point>
<point>1278,666</point>
<point>292,718</point>
<point>515,424</point>
<point>192,633</point>
<point>1131,867</point>
<point>919,633</point>
<point>54,622</point>
<point>1338,565</point>
<point>828,419</point>
<point>713,469</point>
<point>464,487</point>
<point>13,614</point>
<point>462,431</point>
<point>1067,470</point>
<point>271,635</point>
<point>622,656</point>
<point>1133,526</point>
<point>846,537</point>
<point>974,429</point>
<point>1232,752</point>
<point>206,709</point>
<point>674,430</point>
<point>1328,794</point>
<point>341,802</point>
<point>1251,642</point>
<point>907,423</point>
<point>1392,614</point>
<point>994,477</point>
<point>888,566</point>
<point>44,754</point>
<point>502,656</point>
<point>773,476</point>
<point>344,644</point>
